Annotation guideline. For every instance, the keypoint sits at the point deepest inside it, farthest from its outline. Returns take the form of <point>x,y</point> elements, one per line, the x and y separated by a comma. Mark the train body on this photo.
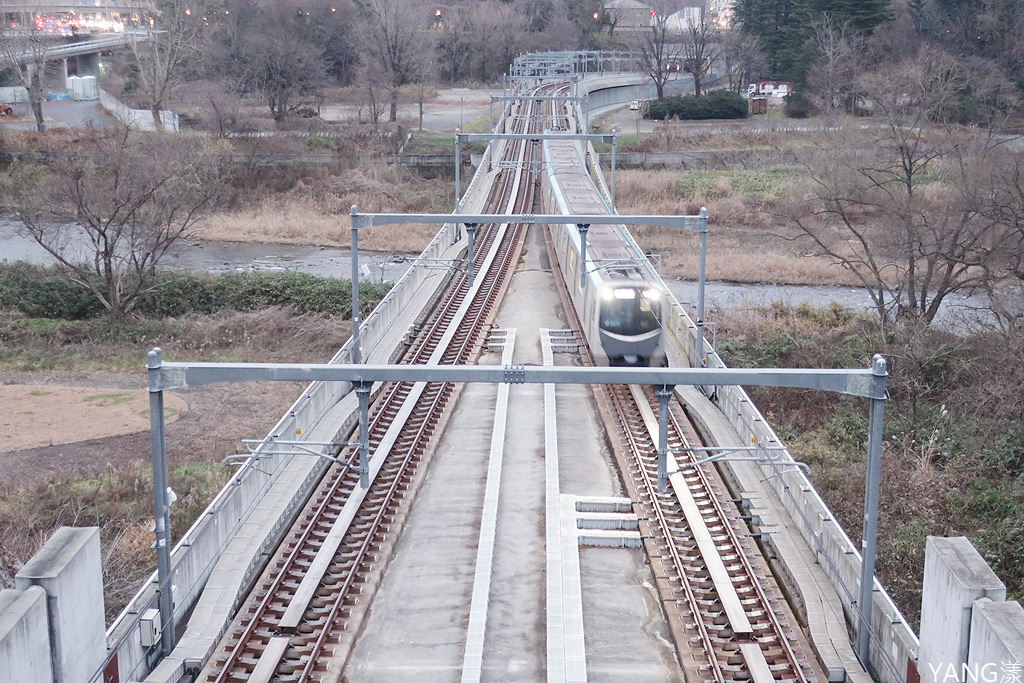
<point>619,299</point>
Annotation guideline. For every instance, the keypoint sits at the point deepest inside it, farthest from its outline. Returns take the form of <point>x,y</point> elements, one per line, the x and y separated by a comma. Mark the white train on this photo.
<point>619,301</point>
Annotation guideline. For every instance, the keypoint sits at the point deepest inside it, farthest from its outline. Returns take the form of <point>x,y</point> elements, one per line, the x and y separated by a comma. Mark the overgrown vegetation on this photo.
<point>120,503</point>
<point>49,323</point>
<point>953,453</point>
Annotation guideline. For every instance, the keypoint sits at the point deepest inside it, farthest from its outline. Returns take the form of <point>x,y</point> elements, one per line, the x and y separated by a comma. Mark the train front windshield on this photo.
<point>630,312</point>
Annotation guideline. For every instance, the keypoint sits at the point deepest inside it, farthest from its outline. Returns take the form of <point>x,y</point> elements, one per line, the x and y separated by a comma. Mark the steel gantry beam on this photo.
<point>530,137</point>
<point>698,224</point>
<point>867,383</point>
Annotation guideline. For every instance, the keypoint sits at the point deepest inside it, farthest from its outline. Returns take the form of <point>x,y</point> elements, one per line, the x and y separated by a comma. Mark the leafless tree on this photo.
<point>701,43</point>
<point>909,218</point>
<point>831,80</point>
<point>109,208</point>
<point>28,50</point>
<point>497,31</point>
<point>658,47</point>
<point>161,42</point>
<point>395,42</point>
<point>744,61</point>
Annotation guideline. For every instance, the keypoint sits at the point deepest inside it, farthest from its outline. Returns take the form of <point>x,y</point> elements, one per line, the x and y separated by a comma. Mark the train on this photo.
<point>619,300</point>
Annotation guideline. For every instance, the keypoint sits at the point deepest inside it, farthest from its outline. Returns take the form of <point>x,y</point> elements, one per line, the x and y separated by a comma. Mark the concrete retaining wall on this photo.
<point>137,119</point>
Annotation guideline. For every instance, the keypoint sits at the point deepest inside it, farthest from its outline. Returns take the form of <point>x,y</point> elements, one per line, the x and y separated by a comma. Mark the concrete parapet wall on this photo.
<point>955,575</point>
<point>69,569</point>
<point>24,636</point>
<point>997,642</point>
<point>137,119</point>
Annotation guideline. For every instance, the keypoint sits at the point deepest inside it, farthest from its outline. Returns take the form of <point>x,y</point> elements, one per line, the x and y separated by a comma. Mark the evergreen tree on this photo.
<point>783,27</point>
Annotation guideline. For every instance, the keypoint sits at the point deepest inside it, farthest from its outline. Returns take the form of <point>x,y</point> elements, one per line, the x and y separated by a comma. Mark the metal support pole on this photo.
<point>363,394</point>
<point>614,140</point>
<point>871,493</point>
<point>583,228</point>
<point>490,115</point>
<point>355,288</point>
<point>161,509</point>
<point>458,165</point>
<point>664,393</point>
<point>471,232</point>
<point>703,232</point>
<point>586,104</point>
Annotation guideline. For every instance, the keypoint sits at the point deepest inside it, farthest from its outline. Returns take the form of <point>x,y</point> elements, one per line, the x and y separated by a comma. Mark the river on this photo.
<point>223,257</point>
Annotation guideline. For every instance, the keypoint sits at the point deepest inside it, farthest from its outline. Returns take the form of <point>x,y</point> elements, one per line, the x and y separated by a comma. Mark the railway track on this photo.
<point>300,622</point>
<point>726,614</point>
<point>721,602</point>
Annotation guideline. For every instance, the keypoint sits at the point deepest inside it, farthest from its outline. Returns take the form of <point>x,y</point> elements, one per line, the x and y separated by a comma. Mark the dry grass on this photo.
<point>315,210</point>
<point>746,240</point>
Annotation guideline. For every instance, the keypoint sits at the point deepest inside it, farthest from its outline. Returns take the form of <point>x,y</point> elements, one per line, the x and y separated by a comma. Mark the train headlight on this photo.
<point>625,293</point>
<point>652,294</point>
<point>607,294</point>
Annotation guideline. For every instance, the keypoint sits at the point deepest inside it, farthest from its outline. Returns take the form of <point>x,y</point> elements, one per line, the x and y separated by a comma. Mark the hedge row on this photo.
<point>717,104</point>
<point>39,292</point>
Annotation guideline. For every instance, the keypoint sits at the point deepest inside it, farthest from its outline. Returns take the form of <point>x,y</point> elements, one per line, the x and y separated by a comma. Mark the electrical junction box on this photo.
<point>150,627</point>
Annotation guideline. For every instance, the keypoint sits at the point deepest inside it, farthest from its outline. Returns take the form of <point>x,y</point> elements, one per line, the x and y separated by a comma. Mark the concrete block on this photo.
<point>955,575</point>
<point>997,640</point>
<point>69,568</point>
<point>24,636</point>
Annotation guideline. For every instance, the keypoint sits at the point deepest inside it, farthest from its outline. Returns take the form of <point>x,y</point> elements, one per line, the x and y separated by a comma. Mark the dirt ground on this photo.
<point>34,415</point>
<point>218,416</point>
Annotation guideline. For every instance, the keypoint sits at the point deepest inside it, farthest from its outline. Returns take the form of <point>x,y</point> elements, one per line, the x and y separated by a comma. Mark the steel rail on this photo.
<point>436,395</point>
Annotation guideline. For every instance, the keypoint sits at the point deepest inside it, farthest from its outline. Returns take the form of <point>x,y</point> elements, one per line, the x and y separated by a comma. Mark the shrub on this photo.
<point>45,293</point>
<point>718,104</point>
<point>37,292</point>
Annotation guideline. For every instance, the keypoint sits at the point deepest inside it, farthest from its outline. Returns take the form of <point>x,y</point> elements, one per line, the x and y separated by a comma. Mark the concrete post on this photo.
<point>955,576</point>
<point>69,568</point>
<point>24,637</point>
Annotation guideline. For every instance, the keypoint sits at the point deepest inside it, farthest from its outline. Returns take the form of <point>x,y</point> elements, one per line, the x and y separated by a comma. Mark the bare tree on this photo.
<point>700,42</point>
<point>744,60</point>
<point>109,208</point>
<point>658,47</point>
<point>496,31</point>
<point>395,42</point>
<point>28,50</point>
<point>162,41</point>
<point>832,79</point>
<point>909,217</point>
